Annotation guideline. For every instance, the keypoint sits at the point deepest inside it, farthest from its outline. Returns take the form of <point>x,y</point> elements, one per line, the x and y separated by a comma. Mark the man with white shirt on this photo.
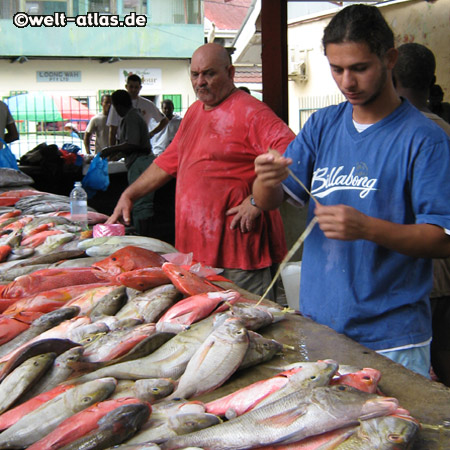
<point>146,107</point>
<point>97,126</point>
<point>163,224</point>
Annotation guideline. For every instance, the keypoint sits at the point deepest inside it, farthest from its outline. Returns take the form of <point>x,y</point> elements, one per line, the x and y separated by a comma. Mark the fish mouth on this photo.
<point>378,406</point>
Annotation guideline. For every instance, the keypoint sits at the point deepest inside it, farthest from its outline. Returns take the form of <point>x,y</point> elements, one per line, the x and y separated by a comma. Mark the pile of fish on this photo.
<point>112,342</point>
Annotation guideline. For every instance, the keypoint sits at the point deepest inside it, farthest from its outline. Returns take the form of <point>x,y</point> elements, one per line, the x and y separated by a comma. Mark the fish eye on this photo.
<point>114,258</point>
<point>155,389</point>
<point>394,437</point>
<point>366,377</point>
<point>342,388</point>
<point>313,377</point>
<point>86,399</point>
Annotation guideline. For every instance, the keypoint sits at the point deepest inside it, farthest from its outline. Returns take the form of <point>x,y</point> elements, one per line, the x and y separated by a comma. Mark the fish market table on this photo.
<point>426,400</point>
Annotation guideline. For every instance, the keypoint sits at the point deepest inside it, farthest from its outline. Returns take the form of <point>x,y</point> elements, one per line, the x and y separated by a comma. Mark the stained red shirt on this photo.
<point>212,157</point>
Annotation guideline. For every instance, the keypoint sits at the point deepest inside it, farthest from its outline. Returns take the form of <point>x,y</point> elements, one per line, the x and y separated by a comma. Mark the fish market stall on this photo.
<point>427,401</point>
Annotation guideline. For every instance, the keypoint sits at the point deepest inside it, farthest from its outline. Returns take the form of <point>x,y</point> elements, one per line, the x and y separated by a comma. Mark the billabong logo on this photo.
<point>326,180</point>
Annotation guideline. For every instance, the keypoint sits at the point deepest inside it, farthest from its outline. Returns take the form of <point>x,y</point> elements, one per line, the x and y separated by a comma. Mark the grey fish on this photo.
<point>109,305</point>
<point>53,242</point>
<point>292,418</point>
<point>56,256</point>
<point>87,261</point>
<point>215,360</point>
<point>146,446</point>
<point>114,428</point>
<point>40,422</point>
<point>22,378</point>
<point>148,390</point>
<point>260,349</point>
<point>12,177</point>
<point>38,326</point>
<point>20,253</point>
<point>393,432</point>
<point>159,429</point>
<point>151,304</point>
<point>59,371</point>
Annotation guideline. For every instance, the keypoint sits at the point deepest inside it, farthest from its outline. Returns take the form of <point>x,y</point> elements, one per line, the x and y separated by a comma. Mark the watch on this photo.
<point>252,202</point>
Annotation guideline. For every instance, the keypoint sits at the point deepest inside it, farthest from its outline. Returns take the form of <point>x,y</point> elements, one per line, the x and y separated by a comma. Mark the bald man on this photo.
<point>212,158</point>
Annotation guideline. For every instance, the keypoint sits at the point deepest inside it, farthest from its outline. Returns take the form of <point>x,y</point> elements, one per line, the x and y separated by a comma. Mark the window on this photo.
<point>176,100</point>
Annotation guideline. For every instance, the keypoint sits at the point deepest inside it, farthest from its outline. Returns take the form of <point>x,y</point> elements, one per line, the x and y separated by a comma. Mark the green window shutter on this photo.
<point>176,100</point>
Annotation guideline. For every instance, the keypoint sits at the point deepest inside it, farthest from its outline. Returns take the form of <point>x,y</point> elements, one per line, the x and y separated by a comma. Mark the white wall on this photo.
<point>411,21</point>
<point>96,76</point>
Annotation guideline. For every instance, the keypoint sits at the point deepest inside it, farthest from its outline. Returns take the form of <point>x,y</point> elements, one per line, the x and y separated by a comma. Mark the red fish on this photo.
<point>21,193</point>
<point>13,415</point>
<point>12,326</point>
<point>18,224</point>
<point>197,307</point>
<point>38,238</point>
<point>48,300</point>
<point>38,229</point>
<point>143,279</point>
<point>9,215</point>
<point>187,282</point>
<point>8,201</point>
<point>46,279</point>
<point>81,424</point>
<point>365,380</point>
<point>5,250</point>
<point>129,258</point>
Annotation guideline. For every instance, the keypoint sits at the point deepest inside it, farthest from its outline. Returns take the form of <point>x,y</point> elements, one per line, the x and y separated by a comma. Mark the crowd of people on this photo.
<point>376,166</point>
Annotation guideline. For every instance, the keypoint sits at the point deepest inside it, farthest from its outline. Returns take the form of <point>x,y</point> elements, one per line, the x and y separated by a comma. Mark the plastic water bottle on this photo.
<point>78,205</point>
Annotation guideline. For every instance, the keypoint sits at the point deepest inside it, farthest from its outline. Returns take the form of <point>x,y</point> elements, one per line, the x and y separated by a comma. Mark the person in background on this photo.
<point>414,74</point>
<point>163,223</point>
<point>72,130</point>
<point>7,123</point>
<point>146,107</point>
<point>134,146</point>
<point>97,126</point>
<point>436,103</point>
<point>245,89</point>
<point>212,158</point>
<point>375,165</point>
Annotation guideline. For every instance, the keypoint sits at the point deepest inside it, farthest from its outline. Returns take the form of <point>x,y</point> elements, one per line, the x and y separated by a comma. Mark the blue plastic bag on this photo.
<point>7,158</point>
<point>97,176</point>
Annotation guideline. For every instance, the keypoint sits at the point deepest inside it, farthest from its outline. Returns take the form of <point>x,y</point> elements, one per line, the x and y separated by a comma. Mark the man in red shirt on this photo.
<point>212,156</point>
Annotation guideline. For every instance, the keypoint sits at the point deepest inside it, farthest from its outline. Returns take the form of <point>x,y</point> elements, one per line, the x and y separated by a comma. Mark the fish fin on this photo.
<point>285,418</point>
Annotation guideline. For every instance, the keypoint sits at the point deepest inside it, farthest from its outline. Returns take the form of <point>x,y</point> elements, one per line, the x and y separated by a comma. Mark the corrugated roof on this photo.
<point>248,74</point>
<point>226,14</point>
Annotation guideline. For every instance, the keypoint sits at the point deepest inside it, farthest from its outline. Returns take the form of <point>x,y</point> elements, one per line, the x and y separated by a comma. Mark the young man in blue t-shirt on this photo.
<point>379,170</point>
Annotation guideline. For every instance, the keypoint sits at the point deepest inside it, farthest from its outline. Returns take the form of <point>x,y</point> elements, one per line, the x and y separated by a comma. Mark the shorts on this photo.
<point>416,359</point>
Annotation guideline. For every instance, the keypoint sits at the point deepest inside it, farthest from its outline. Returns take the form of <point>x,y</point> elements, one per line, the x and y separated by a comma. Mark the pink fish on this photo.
<point>13,415</point>
<point>197,307</point>
<point>18,224</point>
<point>20,193</point>
<point>93,217</point>
<point>248,397</point>
<point>81,424</point>
<point>5,250</point>
<point>46,279</point>
<point>61,331</point>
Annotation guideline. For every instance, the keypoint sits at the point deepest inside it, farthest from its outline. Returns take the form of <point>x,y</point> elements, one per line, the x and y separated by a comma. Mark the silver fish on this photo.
<point>382,433</point>
<point>292,418</point>
<point>110,304</point>
<point>151,304</point>
<point>59,372</point>
<point>38,423</point>
<point>107,245</point>
<point>12,177</point>
<point>148,390</point>
<point>22,378</point>
<point>215,360</point>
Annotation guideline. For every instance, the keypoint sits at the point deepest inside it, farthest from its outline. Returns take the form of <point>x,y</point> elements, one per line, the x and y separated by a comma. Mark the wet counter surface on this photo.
<point>426,400</point>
